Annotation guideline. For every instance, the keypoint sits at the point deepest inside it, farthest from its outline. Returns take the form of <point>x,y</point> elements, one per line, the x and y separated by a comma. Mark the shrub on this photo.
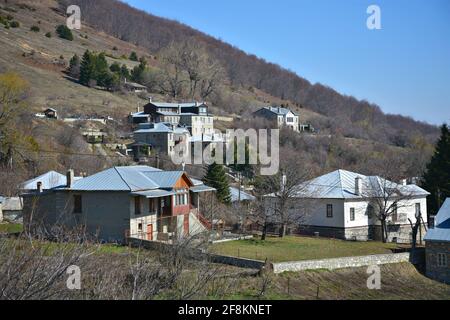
<point>9,17</point>
<point>35,29</point>
<point>64,32</point>
<point>48,34</point>
<point>115,48</point>
<point>133,56</point>
<point>14,24</point>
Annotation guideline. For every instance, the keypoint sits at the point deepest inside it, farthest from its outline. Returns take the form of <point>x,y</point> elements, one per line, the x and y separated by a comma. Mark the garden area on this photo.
<point>292,248</point>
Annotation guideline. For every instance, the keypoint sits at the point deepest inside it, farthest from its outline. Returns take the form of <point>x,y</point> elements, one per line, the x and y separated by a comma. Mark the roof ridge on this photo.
<point>340,183</point>
<point>115,168</point>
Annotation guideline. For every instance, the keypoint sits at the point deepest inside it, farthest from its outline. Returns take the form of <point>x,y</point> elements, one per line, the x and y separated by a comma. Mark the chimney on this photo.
<point>279,109</point>
<point>70,177</point>
<point>196,103</point>
<point>138,109</point>
<point>404,182</point>
<point>179,109</point>
<point>39,187</point>
<point>358,186</point>
<point>150,99</point>
<point>283,181</point>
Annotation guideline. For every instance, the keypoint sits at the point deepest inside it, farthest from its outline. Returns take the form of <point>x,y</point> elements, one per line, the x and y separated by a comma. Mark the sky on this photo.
<point>404,67</point>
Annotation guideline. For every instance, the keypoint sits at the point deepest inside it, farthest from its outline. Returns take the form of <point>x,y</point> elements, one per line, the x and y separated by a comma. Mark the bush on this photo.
<point>35,29</point>
<point>48,34</point>
<point>64,32</point>
<point>9,17</point>
<point>115,48</point>
<point>14,24</point>
<point>133,56</point>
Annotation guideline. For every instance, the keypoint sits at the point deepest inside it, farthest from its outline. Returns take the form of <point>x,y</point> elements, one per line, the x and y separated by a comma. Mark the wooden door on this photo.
<point>150,232</point>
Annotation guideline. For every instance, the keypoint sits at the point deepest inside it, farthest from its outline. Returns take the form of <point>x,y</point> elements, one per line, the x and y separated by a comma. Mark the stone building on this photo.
<point>438,246</point>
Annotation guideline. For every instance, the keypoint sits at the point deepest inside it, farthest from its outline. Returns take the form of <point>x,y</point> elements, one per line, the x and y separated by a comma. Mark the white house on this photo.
<point>341,204</point>
<point>438,246</point>
<point>281,116</point>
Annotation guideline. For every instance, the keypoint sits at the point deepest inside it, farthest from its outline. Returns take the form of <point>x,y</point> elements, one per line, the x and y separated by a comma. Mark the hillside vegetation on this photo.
<point>351,134</point>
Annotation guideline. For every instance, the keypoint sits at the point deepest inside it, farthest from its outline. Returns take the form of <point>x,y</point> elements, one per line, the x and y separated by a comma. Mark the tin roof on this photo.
<point>244,195</point>
<point>441,231</point>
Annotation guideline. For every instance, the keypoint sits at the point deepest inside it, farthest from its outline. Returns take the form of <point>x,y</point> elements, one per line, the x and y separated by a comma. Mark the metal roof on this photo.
<point>51,179</point>
<point>244,195</point>
<point>202,188</point>
<point>164,179</point>
<point>279,110</point>
<point>12,204</point>
<point>340,184</point>
<point>176,105</point>
<point>441,231</point>
<point>154,193</point>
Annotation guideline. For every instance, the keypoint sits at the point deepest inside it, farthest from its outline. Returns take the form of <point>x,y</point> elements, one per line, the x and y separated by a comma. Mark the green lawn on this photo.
<point>299,248</point>
<point>11,228</point>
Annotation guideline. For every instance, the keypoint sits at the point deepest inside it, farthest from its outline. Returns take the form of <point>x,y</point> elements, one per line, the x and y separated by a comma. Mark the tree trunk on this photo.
<point>383,231</point>
<point>282,232</point>
<point>264,232</point>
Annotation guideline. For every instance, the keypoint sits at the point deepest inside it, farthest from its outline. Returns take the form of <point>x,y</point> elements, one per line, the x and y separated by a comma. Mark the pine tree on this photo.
<point>436,179</point>
<point>137,74</point>
<point>87,68</point>
<point>64,32</point>
<point>101,73</point>
<point>124,72</point>
<point>133,56</point>
<point>216,178</point>
<point>74,67</point>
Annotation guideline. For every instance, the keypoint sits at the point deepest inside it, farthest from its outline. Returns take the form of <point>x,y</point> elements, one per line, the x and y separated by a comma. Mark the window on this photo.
<point>442,260</point>
<point>137,205</point>
<point>140,227</point>
<point>77,204</point>
<point>290,120</point>
<point>370,211</point>
<point>418,213</point>
<point>329,211</point>
<point>352,214</point>
<point>394,213</point>
<point>151,205</point>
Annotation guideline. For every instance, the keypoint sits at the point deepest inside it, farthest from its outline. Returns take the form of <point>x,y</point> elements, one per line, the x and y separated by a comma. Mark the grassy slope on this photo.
<point>300,248</point>
<point>398,282</point>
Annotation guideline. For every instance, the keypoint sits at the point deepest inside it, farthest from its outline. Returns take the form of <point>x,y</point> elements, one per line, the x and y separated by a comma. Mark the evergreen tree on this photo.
<point>115,67</point>
<point>124,72</point>
<point>101,73</point>
<point>436,179</point>
<point>137,74</point>
<point>64,32</point>
<point>87,68</point>
<point>216,178</point>
<point>74,67</point>
<point>133,56</point>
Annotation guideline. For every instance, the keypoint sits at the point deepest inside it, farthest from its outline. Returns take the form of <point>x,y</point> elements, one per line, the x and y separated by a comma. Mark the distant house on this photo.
<point>241,196</point>
<point>162,137</point>
<point>340,205</point>
<point>282,117</point>
<point>137,201</point>
<point>139,117</point>
<point>438,246</point>
<point>134,87</point>
<point>49,180</point>
<point>94,136</point>
<point>10,208</point>
<point>51,113</point>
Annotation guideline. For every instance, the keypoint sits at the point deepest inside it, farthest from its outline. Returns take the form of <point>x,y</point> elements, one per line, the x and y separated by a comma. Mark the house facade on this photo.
<point>437,247</point>
<point>339,205</point>
<point>139,202</point>
<point>282,117</point>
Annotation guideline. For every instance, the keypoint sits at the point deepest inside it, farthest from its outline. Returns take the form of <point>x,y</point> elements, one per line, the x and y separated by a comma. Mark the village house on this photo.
<point>282,117</point>
<point>162,137</point>
<point>341,205</point>
<point>46,181</point>
<point>134,87</point>
<point>437,246</point>
<point>137,201</point>
<point>51,113</point>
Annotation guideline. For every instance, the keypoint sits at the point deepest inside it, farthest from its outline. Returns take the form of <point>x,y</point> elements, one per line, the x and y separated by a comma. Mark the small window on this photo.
<point>137,205</point>
<point>352,214</point>
<point>418,212</point>
<point>140,227</point>
<point>442,260</point>
<point>394,213</point>
<point>329,211</point>
<point>77,204</point>
<point>151,205</point>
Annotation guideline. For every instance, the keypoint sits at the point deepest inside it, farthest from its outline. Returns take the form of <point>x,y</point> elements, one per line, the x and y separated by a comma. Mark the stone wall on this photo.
<point>339,263</point>
<point>433,271</point>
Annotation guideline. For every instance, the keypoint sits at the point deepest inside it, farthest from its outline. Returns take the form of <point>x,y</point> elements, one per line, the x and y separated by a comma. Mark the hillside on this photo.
<point>351,132</point>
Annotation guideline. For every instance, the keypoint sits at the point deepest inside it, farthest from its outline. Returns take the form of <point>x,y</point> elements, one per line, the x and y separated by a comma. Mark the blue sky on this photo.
<point>404,67</point>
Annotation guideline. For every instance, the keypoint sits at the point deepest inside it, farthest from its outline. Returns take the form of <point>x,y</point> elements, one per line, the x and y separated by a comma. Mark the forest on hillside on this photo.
<point>346,115</point>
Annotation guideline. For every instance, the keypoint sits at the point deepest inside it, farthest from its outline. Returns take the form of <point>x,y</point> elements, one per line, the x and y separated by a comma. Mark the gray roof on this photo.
<point>202,188</point>
<point>340,184</point>
<point>279,110</point>
<point>176,105</point>
<point>154,193</point>
<point>159,128</point>
<point>244,195</point>
<point>441,231</point>
<point>164,179</point>
<point>50,180</point>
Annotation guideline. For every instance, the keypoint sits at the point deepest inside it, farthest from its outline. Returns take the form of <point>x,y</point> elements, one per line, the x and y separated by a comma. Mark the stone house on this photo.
<point>437,247</point>
<point>139,202</point>
<point>282,117</point>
